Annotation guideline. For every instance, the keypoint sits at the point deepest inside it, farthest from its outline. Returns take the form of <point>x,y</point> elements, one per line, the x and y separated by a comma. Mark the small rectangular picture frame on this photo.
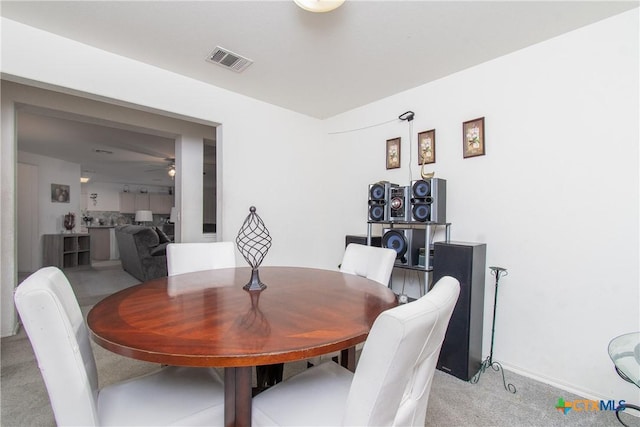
<point>427,147</point>
<point>60,193</point>
<point>393,153</point>
<point>473,138</point>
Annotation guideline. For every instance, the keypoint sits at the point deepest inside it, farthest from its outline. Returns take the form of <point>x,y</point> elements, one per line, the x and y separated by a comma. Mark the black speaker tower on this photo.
<point>461,354</point>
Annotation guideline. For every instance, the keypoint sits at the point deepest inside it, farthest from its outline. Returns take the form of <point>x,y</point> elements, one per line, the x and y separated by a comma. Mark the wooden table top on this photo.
<point>207,319</point>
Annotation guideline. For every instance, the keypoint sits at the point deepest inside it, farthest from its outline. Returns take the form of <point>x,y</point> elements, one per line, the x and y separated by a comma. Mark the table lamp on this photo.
<point>143,217</point>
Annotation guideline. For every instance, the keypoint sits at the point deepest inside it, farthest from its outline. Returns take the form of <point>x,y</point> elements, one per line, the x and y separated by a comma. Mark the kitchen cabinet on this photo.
<point>132,202</point>
<point>160,204</point>
<point>100,243</point>
<point>142,202</point>
<point>127,202</point>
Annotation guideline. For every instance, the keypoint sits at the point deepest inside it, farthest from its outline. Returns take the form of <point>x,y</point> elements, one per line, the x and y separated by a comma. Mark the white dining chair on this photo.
<point>372,262</point>
<point>59,336</point>
<point>392,381</point>
<point>189,257</point>
<point>369,261</point>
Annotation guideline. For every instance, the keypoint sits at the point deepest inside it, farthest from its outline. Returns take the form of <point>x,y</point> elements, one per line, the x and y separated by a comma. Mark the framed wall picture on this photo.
<point>59,193</point>
<point>427,147</point>
<point>393,153</point>
<point>473,138</point>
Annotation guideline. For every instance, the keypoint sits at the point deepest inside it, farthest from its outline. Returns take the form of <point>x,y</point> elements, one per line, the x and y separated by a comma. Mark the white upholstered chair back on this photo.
<point>189,257</point>
<point>393,379</point>
<point>369,261</point>
<point>62,348</point>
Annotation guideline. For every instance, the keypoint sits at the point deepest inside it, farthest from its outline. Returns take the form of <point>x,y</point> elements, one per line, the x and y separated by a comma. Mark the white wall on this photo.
<point>8,243</point>
<point>260,143</point>
<point>107,196</point>
<point>28,231</point>
<point>51,214</point>
<point>189,157</point>
<point>555,197</point>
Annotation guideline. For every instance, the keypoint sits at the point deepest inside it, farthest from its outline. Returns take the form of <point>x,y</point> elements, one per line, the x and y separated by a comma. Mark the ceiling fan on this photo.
<point>170,167</point>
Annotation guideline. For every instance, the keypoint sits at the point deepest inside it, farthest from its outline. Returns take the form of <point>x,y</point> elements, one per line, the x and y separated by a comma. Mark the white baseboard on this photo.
<point>587,394</point>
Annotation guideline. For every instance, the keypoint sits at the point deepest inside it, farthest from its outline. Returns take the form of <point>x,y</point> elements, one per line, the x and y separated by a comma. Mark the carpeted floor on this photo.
<point>453,402</point>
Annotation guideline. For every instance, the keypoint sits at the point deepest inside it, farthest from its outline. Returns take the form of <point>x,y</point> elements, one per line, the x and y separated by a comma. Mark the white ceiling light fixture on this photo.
<point>85,176</point>
<point>319,5</point>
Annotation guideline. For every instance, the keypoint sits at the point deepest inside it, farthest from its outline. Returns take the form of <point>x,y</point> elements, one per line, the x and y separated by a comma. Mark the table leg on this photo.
<point>229,397</point>
<point>348,358</point>
<point>237,396</point>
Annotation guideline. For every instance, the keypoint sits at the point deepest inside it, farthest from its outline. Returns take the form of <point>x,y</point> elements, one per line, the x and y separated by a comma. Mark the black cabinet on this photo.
<point>461,354</point>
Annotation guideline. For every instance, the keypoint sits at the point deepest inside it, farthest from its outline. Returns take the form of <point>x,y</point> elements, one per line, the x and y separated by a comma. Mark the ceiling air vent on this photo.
<point>228,59</point>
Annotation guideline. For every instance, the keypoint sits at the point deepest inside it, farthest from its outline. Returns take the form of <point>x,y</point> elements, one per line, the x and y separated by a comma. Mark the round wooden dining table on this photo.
<point>207,319</point>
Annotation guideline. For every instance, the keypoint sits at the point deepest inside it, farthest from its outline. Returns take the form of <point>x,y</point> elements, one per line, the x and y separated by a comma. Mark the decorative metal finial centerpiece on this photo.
<point>253,242</point>
<point>489,362</point>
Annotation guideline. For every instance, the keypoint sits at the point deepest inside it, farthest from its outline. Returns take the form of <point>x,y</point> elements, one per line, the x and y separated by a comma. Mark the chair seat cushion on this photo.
<point>170,396</point>
<point>317,395</point>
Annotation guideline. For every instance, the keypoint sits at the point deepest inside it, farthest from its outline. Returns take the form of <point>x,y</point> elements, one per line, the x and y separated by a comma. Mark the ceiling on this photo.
<point>107,152</point>
<point>316,64</point>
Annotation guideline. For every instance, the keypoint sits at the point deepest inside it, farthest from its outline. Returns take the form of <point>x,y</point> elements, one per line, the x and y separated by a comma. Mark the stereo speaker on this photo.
<point>461,353</point>
<point>399,204</point>
<point>361,239</point>
<point>407,244</point>
<point>429,200</point>
<point>378,205</point>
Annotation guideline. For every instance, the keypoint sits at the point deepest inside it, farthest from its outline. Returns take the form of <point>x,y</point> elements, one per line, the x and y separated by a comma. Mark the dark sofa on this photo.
<point>142,253</point>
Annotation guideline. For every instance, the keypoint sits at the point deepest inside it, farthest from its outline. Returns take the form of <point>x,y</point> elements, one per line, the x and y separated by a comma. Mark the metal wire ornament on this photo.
<point>489,362</point>
<point>253,242</point>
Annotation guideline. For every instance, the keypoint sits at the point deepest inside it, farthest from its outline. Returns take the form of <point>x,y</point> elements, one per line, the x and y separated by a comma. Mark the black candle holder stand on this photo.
<point>489,362</point>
